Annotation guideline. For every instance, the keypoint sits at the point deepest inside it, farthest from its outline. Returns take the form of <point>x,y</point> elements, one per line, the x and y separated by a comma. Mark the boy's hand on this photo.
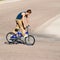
<point>28,25</point>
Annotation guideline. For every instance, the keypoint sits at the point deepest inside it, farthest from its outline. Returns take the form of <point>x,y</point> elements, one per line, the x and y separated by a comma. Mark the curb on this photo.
<point>40,28</point>
<point>3,2</point>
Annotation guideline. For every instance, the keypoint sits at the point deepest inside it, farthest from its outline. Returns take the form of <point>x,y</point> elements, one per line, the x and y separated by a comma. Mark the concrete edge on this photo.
<point>46,24</point>
<point>3,2</point>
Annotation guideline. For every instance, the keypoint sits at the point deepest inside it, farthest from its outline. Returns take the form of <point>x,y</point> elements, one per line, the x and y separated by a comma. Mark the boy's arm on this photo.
<point>27,20</point>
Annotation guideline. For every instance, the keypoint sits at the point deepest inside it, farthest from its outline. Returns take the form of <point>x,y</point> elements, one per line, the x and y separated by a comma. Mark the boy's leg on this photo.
<point>16,29</point>
<point>21,27</point>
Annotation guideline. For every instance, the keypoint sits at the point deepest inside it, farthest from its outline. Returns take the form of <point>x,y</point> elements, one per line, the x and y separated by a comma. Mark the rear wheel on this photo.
<point>9,37</point>
<point>30,40</point>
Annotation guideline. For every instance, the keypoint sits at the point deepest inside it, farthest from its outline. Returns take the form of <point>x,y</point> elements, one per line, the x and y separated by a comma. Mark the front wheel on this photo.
<point>30,40</point>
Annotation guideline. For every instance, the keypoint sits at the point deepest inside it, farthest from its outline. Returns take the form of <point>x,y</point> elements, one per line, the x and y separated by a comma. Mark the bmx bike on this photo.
<point>14,38</point>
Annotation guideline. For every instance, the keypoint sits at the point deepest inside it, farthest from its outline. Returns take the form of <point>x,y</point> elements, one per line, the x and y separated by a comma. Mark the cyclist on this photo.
<point>20,24</point>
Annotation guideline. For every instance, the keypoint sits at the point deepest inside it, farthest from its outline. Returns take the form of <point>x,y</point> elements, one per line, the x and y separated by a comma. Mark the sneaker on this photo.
<point>26,35</point>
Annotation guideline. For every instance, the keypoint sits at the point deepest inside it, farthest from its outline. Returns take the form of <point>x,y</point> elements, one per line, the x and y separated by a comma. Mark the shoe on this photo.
<point>26,35</point>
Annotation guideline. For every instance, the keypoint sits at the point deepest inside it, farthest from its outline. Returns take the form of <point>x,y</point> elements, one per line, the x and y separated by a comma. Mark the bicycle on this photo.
<point>13,38</point>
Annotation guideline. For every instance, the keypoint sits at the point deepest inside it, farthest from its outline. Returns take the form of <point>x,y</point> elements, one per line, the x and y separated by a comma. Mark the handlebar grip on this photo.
<point>27,26</point>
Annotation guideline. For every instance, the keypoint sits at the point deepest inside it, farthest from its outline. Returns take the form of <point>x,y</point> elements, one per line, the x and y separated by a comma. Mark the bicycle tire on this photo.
<point>28,38</point>
<point>10,41</point>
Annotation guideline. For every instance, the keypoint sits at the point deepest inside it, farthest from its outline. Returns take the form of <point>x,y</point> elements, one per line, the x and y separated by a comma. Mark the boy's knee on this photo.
<point>16,30</point>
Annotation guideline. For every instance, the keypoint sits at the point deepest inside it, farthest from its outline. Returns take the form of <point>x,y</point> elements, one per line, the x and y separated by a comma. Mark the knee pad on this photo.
<point>16,30</point>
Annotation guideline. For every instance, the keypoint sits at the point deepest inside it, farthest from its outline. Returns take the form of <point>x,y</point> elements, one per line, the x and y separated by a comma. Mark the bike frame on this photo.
<point>19,34</point>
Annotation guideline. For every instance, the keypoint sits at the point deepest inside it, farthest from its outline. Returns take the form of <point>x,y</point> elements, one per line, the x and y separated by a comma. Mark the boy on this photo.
<point>20,21</point>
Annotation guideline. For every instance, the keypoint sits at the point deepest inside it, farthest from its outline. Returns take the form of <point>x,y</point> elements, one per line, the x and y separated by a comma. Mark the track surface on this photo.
<point>45,48</point>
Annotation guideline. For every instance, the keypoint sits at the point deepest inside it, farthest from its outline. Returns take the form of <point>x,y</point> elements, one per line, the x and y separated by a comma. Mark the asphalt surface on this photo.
<point>45,48</point>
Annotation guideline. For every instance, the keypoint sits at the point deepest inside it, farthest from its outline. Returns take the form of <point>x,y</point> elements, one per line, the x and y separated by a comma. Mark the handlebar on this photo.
<point>27,26</point>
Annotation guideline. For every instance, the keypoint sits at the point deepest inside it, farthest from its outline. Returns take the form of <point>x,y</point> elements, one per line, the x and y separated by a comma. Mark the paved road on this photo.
<point>45,48</point>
